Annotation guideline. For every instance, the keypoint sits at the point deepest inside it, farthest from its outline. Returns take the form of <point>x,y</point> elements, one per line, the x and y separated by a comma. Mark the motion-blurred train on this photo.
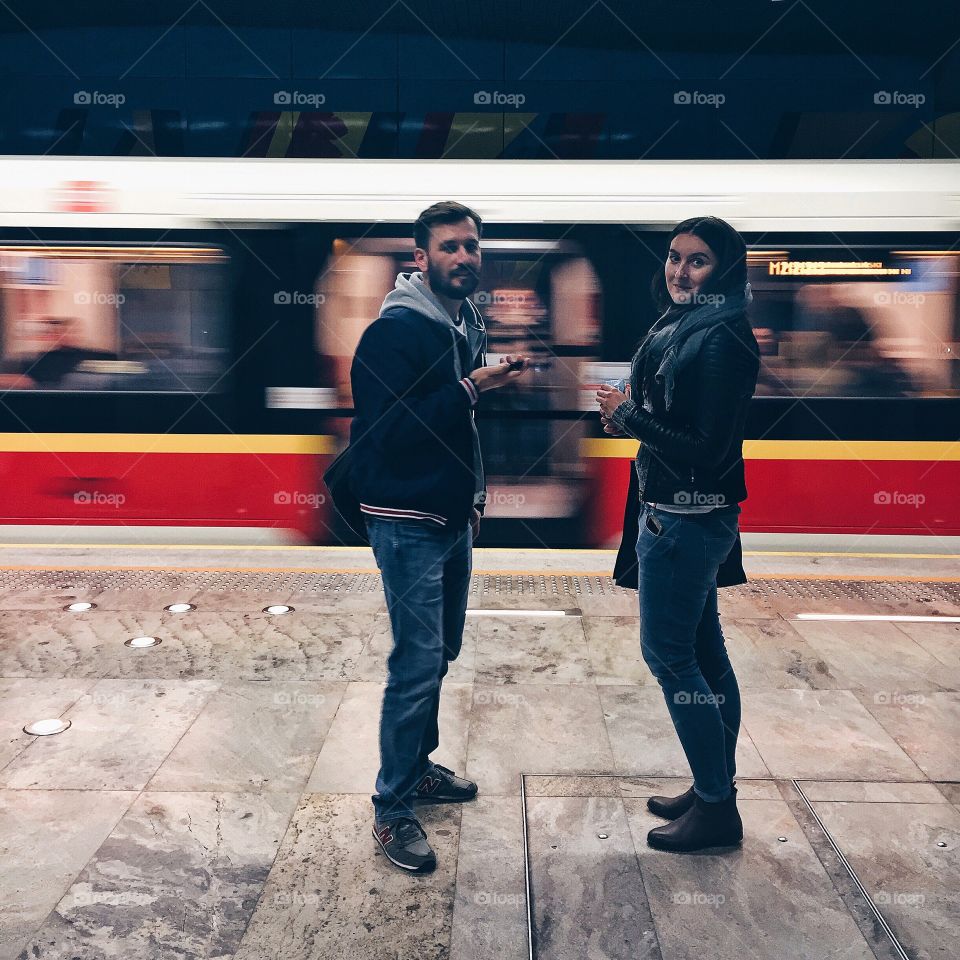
<point>176,335</point>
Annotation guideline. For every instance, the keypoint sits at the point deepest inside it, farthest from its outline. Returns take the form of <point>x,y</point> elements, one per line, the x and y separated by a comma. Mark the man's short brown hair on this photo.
<point>446,211</point>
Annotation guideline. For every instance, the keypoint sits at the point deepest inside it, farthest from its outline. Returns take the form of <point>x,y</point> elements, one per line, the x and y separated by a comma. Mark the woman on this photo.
<point>691,382</point>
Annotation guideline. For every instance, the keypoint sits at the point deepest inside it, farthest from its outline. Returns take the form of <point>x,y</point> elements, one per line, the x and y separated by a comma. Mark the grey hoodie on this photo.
<point>412,293</point>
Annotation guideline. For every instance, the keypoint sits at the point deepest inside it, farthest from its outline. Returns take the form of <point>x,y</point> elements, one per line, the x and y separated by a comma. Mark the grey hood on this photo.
<point>412,293</point>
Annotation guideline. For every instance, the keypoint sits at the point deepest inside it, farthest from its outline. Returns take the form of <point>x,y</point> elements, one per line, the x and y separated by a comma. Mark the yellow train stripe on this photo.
<point>802,449</point>
<point>249,443</point>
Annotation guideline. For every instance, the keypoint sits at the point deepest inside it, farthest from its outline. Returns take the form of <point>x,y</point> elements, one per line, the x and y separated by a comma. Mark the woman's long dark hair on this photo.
<point>730,274</point>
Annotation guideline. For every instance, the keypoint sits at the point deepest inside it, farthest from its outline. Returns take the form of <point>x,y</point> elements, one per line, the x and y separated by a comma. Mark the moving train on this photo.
<point>176,334</point>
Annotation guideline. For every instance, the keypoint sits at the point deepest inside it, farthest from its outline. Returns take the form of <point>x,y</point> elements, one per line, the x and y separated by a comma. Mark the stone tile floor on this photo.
<point>211,798</point>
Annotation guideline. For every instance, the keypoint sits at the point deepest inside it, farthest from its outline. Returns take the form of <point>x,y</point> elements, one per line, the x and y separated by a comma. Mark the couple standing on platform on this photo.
<point>415,475</point>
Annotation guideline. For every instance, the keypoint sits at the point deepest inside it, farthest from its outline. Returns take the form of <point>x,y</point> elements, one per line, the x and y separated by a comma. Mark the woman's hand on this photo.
<point>609,399</point>
<point>611,428</point>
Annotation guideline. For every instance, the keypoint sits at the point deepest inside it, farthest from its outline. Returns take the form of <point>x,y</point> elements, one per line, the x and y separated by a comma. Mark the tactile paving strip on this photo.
<point>545,586</point>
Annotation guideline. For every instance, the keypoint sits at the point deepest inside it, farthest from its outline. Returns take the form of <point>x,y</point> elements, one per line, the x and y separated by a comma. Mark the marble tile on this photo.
<point>941,640</point>
<point>771,654</point>
<point>927,728</point>
<point>179,876</point>
<point>253,736</point>
<point>332,893</point>
<point>914,883</point>
<point>535,729</point>
<point>372,664</point>
<point>614,647</point>
<point>765,899</point>
<point>644,741</point>
<point>588,894</point>
<point>951,791</point>
<point>44,599</point>
<point>350,757</point>
<point>339,603</point>
<point>122,731</point>
<point>865,792</point>
<point>591,785</point>
<point>749,601</point>
<point>876,656</point>
<point>195,645</point>
<point>644,787</point>
<point>46,837</point>
<point>613,602</point>
<point>490,912</point>
<point>23,701</point>
<point>528,650</point>
<point>823,734</point>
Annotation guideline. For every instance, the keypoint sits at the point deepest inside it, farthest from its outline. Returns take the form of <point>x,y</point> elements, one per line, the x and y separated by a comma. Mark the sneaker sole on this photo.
<point>427,867</point>
<point>445,799</point>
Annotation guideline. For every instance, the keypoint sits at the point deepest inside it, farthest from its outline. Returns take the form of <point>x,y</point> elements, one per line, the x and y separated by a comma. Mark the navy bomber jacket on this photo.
<point>411,439</point>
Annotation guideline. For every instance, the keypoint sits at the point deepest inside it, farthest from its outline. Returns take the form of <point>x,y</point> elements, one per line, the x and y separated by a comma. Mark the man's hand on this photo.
<point>492,378</point>
<point>475,522</point>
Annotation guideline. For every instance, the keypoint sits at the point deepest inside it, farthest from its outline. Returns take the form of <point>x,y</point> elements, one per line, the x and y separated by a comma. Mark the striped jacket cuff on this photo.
<point>471,389</point>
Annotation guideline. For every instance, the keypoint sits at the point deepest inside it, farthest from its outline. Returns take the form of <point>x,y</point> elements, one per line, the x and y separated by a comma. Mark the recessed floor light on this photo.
<point>179,607</point>
<point>47,728</point>
<point>869,617</point>
<point>79,606</point>
<point>278,608</point>
<point>522,613</point>
<point>142,642</point>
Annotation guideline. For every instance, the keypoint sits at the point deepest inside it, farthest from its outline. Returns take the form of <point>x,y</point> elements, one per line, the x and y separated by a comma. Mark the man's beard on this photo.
<point>454,290</point>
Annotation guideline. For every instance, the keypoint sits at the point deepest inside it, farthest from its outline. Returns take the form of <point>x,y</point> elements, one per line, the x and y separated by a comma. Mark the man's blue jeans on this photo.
<point>681,639</point>
<point>426,578</point>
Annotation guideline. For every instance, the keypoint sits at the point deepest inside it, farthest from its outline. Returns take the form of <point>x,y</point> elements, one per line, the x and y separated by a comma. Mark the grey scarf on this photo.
<point>670,347</point>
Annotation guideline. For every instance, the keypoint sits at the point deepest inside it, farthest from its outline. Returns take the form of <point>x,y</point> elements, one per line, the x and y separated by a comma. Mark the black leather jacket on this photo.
<point>692,453</point>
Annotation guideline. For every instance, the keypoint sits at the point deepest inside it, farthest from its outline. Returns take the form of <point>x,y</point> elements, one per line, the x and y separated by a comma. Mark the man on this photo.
<point>417,375</point>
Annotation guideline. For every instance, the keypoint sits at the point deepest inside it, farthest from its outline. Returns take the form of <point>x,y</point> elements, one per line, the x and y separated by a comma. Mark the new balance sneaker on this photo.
<point>441,785</point>
<point>404,842</point>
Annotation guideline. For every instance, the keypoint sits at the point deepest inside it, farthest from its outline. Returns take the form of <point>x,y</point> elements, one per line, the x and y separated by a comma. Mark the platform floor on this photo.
<point>211,797</point>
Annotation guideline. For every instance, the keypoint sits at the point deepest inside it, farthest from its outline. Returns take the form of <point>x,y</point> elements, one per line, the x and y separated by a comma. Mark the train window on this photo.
<point>537,297</point>
<point>856,322</point>
<point>113,317</point>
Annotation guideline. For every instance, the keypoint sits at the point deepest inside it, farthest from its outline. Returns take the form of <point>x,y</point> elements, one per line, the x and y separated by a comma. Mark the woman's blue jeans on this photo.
<point>681,639</point>
<point>426,578</point>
